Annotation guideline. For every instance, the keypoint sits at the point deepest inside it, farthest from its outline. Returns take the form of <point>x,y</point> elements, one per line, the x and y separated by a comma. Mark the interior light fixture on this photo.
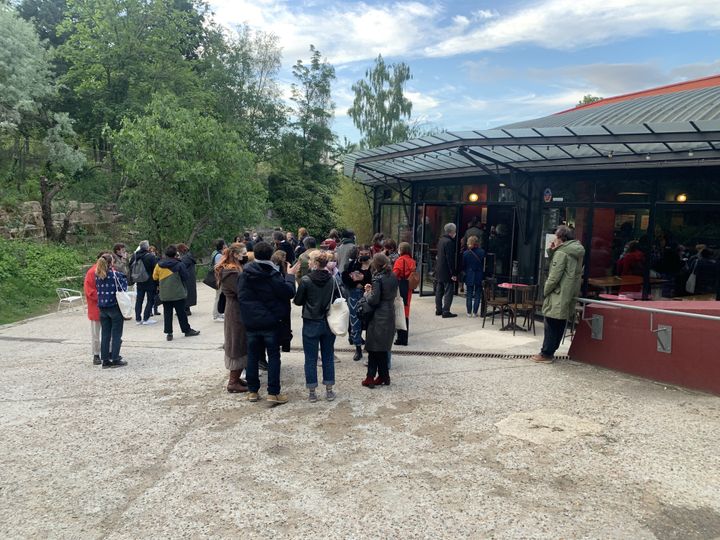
<point>681,197</point>
<point>647,156</point>
<point>691,153</point>
<point>502,184</point>
<point>473,197</point>
<point>610,154</point>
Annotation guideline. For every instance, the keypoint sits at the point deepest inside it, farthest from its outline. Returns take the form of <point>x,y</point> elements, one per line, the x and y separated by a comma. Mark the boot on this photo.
<point>369,382</point>
<point>379,381</point>
<point>234,385</point>
<point>358,353</point>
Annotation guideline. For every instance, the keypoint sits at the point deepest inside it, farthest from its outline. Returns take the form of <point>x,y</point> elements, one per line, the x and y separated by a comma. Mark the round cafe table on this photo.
<point>512,325</point>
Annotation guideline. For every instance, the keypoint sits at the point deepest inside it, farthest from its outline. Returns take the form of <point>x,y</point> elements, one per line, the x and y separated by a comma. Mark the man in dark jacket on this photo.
<point>145,284</point>
<point>263,293</point>
<point>173,277</point>
<point>346,247</point>
<point>445,272</point>
<point>282,244</point>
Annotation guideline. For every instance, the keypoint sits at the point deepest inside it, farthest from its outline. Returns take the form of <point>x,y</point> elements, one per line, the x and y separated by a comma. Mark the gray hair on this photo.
<point>564,233</point>
<point>450,228</point>
<point>144,244</point>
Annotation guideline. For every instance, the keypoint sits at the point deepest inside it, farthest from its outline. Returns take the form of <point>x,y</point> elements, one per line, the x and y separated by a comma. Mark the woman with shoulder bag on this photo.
<point>473,266</point>
<point>315,294</point>
<point>381,328</point>
<point>107,282</point>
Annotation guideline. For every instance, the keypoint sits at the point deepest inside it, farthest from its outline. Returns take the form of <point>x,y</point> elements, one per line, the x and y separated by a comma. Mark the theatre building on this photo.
<point>637,176</point>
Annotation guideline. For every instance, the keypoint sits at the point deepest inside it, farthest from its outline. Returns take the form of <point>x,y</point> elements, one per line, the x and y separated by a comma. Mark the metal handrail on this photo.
<point>650,310</point>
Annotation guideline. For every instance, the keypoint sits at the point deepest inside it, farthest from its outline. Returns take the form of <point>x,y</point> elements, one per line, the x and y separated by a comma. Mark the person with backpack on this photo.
<point>214,260</point>
<point>188,259</point>
<point>142,264</point>
<point>173,276</point>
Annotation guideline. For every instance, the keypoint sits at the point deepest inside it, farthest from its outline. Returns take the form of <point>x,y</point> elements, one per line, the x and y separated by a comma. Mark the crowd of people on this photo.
<point>256,281</point>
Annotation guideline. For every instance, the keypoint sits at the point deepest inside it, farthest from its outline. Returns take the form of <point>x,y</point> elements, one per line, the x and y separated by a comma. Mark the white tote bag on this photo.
<point>125,300</point>
<point>691,280</point>
<point>338,315</point>
<point>400,323</point>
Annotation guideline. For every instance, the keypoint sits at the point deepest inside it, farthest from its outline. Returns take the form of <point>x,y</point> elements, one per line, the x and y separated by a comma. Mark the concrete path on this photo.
<point>473,447</point>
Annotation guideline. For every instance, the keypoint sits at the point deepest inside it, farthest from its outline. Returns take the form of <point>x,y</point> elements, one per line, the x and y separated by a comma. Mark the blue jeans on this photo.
<point>473,297</point>
<point>316,333</point>
<point>259,341</point>
<point>355,323</point>
<point>145,288</point>
<point>111,329</point>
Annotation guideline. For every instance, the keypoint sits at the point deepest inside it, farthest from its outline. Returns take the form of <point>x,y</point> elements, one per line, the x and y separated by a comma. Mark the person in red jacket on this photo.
<point>403,267</point>
<point>93,312</point>
<point>632,264</point>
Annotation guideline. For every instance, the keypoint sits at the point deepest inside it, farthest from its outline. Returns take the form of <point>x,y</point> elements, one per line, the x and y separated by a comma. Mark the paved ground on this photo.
<point>456,448</point>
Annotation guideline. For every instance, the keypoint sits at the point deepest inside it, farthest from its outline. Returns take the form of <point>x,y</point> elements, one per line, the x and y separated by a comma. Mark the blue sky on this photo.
<point>480,64</point>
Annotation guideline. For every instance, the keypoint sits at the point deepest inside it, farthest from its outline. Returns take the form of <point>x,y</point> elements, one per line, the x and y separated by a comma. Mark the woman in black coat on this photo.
<point>188,260</point>
<point>380,334</point>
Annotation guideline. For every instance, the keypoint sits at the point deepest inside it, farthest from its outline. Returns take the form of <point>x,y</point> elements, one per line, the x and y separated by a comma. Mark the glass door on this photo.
<point>500,237</point>
<point>429,223</point>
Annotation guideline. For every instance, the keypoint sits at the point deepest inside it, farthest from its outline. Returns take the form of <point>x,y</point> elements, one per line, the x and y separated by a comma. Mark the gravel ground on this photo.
<point>484,447</point>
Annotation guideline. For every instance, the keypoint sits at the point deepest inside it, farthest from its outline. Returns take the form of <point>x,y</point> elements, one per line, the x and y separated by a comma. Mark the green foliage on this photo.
<point>587,99</point>
<point>380,109</point>
<point>353,209</point>
<point>28,276</point>
<point>186,174</point>
<point>24,70</point>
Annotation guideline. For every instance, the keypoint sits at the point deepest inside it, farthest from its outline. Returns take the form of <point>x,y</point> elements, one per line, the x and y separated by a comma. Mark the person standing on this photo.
<point>93,312</point>
<point>315,294</point>
<point>381,328</point>
<point>403,267</point>
<point>376,246</point>
<point>355,277</point>
<point>107,283</point>
<point>263,294</point>
<point>281,243</point>
<point>227,272</point>
<point>346,247</point>
<point>285,335</point>
<point>214,259</point>
<point>445,272</point>
<point>561,288</point>
<point>474,269</point>
<point>120,259</point>
<point>173,277</point>
<point>188,259</point>
<point>142,277</point>
<point>156,302</point>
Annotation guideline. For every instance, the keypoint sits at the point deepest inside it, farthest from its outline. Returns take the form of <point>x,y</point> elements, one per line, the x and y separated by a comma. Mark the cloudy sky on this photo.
<point>478,64</point>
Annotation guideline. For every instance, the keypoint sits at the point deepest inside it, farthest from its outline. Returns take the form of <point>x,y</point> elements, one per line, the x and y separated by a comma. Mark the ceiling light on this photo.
<point>473,197</point>
<point>647,156</point>
<point>681,197</point>
<point>691,153</point>
<point>502,184</point>
<point>610,154</point>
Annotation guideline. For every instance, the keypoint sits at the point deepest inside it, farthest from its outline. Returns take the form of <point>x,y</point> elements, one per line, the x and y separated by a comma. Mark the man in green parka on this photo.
<point>561,288</point>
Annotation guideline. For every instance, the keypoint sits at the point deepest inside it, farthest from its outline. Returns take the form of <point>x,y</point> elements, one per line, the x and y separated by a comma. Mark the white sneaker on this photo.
<point>150,321</point>
<point>139,323</point>
<point>469,315</point>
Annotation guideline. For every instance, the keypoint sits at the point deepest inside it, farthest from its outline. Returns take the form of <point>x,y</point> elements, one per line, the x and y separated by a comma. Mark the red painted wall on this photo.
<point>629,346</point>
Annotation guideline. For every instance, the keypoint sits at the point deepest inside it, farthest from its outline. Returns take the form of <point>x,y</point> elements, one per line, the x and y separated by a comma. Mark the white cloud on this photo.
<point>569,24</point>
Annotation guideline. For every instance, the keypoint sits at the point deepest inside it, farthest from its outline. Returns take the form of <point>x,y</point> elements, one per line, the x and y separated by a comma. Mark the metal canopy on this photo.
<point>538,149</point>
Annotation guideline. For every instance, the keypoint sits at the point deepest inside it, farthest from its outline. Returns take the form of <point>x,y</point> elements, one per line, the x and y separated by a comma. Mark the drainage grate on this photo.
<point>455,354</point>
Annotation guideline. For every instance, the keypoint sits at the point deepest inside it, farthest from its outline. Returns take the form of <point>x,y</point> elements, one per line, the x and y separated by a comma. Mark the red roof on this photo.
<point>705,82</point>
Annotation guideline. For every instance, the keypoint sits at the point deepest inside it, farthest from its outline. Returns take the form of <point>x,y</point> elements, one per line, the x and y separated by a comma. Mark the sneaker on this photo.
<point>253,396</point>
<point>139,323</point>
<point>277,399</point>
<point>96,360</point>
<point>329,394</point>
<point>438,312</point>
<point>449,315</point>
<point>191,333</point>
<point>169,337</point>
<point>542,359</point>
<point>312,396</point>
<point>150,321</point>
<point>156,313</point>
<point>475,315</point>
<point>118,363</point>
<point>106,364</point>
<point>469,315</point>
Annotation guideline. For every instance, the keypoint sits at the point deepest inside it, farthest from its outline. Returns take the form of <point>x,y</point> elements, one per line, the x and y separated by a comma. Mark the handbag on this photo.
<point>210,280</point>
<point>400,323</point>
<point>125,300</point>
<point>338,315</point>
<point>413,278</point>
<point>692,280</point>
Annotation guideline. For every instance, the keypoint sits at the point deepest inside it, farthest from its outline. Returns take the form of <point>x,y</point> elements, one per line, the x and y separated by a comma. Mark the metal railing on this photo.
<point>649,310</point>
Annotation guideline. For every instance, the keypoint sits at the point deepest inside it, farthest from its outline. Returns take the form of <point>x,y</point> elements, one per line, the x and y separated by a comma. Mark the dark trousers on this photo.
<point>554,330</point>
<point>378,364</point>
<point>444,291</point>
<point>111,329</point>
<point>145,289</point>
<point>259,341</point>
<point>402,335</point>
<point>179,307</point>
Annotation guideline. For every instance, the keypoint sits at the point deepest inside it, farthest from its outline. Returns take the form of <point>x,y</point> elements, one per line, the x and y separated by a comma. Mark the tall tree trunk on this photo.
<point>197,229</point>
<point>47,194</point>
<point>62,235</point>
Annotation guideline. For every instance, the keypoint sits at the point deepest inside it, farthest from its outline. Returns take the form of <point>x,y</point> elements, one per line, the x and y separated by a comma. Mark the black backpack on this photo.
<point>138,272</point>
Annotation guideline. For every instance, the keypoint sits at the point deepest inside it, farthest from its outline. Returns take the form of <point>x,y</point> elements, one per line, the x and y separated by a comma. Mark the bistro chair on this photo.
<point>494,302</point>
<point>523,305</point>
<point>68,298</point>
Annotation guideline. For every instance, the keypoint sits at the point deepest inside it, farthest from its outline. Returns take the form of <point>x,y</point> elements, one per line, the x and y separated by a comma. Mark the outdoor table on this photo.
<point>512,325</point>
<point>616,297</point>
<point>612,282</point>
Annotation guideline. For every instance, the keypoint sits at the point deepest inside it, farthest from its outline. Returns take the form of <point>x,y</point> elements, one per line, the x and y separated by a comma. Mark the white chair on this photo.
<point>69,298</point>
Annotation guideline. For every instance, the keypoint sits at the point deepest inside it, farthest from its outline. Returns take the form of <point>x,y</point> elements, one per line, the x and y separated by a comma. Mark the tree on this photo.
<point>185,174</point>
<point>303,182</point>
<point>380,109</point>
<point>587,99</point>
